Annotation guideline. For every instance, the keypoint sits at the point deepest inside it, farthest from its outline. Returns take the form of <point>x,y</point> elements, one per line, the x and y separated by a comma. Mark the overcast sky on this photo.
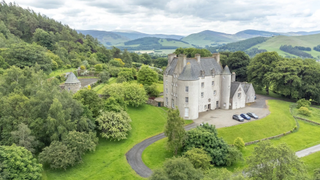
<point>181,17</point>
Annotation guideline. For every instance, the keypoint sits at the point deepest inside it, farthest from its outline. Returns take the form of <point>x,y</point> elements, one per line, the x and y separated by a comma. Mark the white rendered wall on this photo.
<point>250,95</point>
<point>192,103</point>
<point>208,91</point>
<point>225,91</point>
<point>237,102</point>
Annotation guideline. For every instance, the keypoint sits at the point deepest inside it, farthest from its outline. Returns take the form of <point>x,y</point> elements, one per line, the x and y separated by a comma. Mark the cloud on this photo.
<point>182,16</point>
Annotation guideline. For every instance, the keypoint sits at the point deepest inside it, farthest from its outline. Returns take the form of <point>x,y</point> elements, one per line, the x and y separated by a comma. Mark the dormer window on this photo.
<point>212,72</point>
<point>202,73</point>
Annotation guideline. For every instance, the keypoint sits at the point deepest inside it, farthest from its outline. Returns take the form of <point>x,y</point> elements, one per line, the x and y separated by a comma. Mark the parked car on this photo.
<point>245,116</point>
<point>252,115</point>
<point>237,117</point>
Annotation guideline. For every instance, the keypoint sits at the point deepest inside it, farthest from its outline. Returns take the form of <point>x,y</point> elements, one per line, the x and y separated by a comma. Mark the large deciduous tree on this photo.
<point>174,130</point>
<point>199,158</point>
<point>91,99</point>
<point>146,75</point>
<point>18,163</point>
<point>238,63</point>
<point>22,137</point>
<point>114,125</point>
<point>177,169</point>
<point>260,69</point>
<point>274,162</point>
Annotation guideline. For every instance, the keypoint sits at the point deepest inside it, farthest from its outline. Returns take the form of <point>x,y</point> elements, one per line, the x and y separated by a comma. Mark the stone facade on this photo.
<point>72,83</point>
<point>199,84</point>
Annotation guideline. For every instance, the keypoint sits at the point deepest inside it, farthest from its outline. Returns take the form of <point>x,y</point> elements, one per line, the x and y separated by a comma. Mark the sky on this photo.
<point>181,17</point>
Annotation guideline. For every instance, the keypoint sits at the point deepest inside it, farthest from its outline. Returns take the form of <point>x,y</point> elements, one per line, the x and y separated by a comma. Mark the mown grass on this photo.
<point>312,162</point>
<point>278,122</point>
<point>315,114</point>
<point>100,88</point>
<point>60,71</point>
<point>109,161</point>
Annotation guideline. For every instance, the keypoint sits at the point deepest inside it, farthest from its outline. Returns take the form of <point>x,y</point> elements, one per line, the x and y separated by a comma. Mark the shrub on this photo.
<point>199,158</point>
<point>239,143</point>
<point>68,66</point>
<point>303,103</point>
<point>121,79</point>
<point>304,111</point>
<point>98,67</point>
<point>152,90</point>
<point>82,67</point>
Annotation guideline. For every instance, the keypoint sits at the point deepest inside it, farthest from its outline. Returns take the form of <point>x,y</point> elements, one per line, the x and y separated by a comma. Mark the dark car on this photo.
<point>245,116</point>
<point>252,115</point>
<point>237,117</point>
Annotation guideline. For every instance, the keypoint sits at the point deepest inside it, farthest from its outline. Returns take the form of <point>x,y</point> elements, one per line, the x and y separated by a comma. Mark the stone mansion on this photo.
<point>200,84</point>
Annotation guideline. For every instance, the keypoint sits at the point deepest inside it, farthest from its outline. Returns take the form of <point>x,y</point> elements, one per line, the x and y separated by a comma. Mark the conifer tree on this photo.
<point>174,130</point>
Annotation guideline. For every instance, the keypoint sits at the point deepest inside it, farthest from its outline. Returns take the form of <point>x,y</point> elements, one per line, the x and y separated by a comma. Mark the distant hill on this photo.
<point>274,43</point>
<point>154,43</point>
<point>209,38</point>
<point>136,35</point>
<point>254,33</point>
<point>104,37</point>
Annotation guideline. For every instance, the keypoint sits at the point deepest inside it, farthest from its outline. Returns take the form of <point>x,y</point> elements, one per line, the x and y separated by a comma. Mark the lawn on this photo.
<point>278,122</point>
<point>60,71</point>
<point>109,161</point>
<point>312,162</point>
<point>315,114</point>
<point>100,88</point>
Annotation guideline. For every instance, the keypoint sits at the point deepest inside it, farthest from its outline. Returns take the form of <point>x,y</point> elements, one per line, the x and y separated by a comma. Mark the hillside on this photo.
<point>106,38</point>
<point>254,33</point>
<point>274,43</point>
<point>132,35</point>
<point>148,43</point>
<point>209,38</point>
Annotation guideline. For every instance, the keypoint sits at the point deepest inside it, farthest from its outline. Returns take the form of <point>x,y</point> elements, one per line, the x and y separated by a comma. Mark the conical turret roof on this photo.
<point>226,70</point>
<point>72,79</point>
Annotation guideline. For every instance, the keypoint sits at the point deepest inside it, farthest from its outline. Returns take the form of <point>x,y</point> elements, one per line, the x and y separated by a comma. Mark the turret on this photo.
<point>225,88</point>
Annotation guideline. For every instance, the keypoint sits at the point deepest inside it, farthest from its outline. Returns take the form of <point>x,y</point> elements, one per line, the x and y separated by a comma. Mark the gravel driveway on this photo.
<point>223,118</point>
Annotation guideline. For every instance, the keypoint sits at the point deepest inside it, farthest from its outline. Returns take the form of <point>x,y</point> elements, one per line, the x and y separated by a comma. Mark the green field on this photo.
<point>100,88</point>
<point>274,43</point>
<point>315,114</point>
<point>109,161</point>
<point>312,162</point>
<point>308,135</point>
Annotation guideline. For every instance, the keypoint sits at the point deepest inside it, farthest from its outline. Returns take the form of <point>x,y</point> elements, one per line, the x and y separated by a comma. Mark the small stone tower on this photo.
<point>225,88</point>
<point>72,83</point>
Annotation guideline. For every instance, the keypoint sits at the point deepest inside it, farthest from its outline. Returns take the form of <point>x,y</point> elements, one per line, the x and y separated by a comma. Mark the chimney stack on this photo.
<point>217,57</point>
<point>198,57</point>
<point>170,58</point>
<point>233,77</point>
<point>182,62</point>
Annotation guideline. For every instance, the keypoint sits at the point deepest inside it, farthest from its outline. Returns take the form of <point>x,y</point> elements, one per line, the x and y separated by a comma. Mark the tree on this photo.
<point>261,68</point>
<point>114,125</point>
<point>18,163</point>
<point>223,174</point>
<point>191,52</point>
<point>58,156</point>
<point>22,137</point>
<point>303,103</point>
<point>199,158</point>
<point>80,143</point>
<point>116,104</point>
<point>3,63</point>
<point>238,63</point>
<point>127,74</point>
<point>316,175</point>
<point>161,62</point>
<point>146,75</point>
<point>145,59</point>
<point>135,57</point>
<point>206,137</point>
<point>274,162</point>
<point>127,58</point>
<point>239,143</point>
<point>104,76</point>
<point>174,130</point>
<point>152,90</point>
<point>98,67</point>
<point>177,169</point>
<point>43,38</point>
<point>27,55</point>
<point>91,99</point>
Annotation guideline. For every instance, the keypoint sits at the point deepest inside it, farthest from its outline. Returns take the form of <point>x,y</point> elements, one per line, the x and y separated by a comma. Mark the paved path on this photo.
<point>308,151</point>
<point>134,156</point>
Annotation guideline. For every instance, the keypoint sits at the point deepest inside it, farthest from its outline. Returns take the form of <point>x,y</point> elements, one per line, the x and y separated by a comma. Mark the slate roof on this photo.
<point>245,86</point>
<point>189,73</point>
<point>72,79</point>
<point>226,71</point>
<point>234,87</point>
<point>206,64</point>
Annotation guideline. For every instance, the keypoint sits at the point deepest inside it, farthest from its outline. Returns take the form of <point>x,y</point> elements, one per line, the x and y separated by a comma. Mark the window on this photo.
<point>171,84</point>
<point>212,83</point>
<point>214,92</point>
<point>187,99</point>
<point>205,107</point>
<point>187,88</point>
<point>167,103</point>
<point>186,112</point>
<point>202,84</point>
<point>202,94</point>
<point>239,95</point>
<point>172,103</point>
<point>166,90</point>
